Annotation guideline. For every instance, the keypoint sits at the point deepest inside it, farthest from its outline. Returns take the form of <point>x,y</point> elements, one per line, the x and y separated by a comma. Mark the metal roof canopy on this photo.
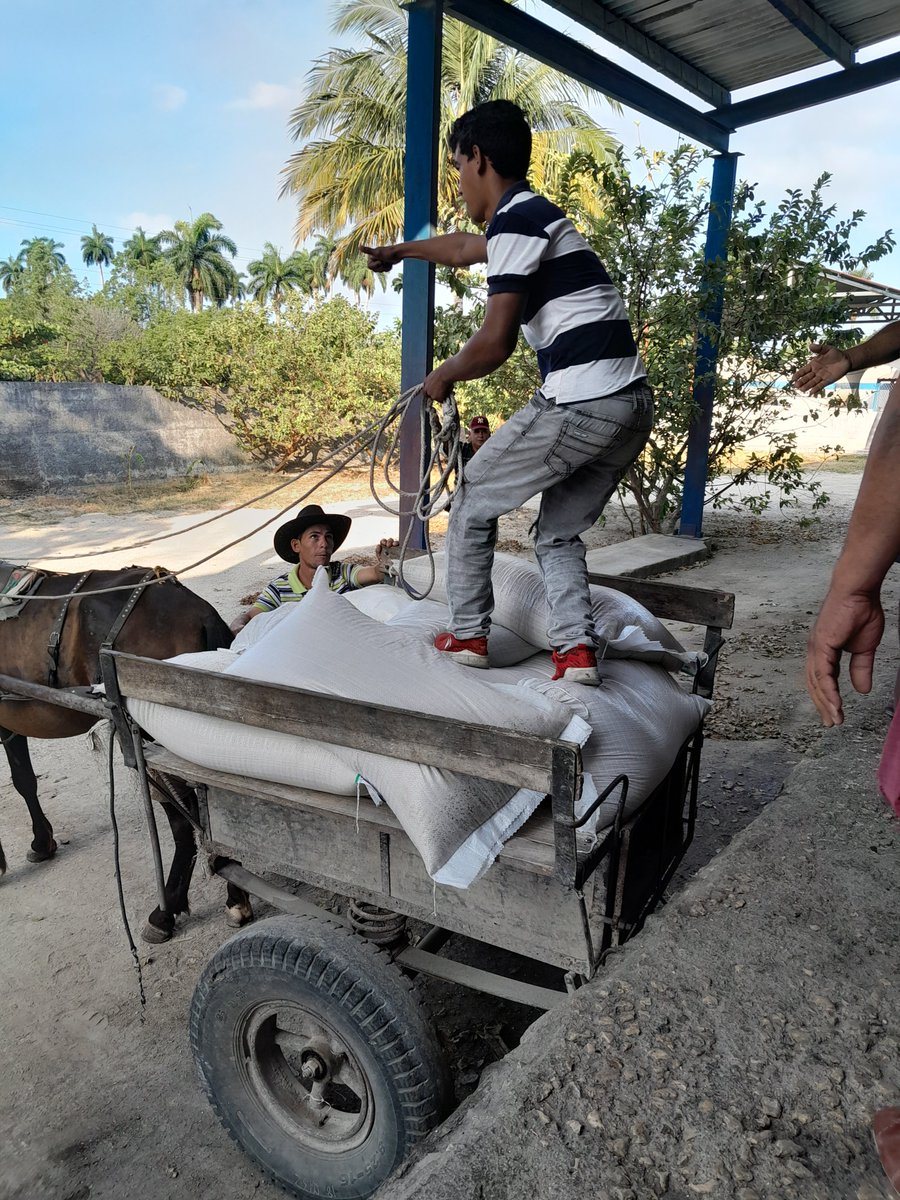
<point>709,47</point>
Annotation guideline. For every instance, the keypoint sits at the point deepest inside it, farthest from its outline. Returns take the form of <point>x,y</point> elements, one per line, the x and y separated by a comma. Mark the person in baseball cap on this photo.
<point>308,541</point>
<point>479,432</point>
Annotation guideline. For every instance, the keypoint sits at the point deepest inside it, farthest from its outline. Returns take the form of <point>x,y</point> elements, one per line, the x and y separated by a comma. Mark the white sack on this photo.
<point>242,749</point>
<point>380,601</point>
<point>327,646</point>
<point>625,628</point>
<point>428,618</point>
<point>640,719</point>
<point>258,627</point>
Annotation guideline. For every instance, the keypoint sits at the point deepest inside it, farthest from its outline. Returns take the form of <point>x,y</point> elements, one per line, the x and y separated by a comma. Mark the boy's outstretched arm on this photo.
<point>447,250</point>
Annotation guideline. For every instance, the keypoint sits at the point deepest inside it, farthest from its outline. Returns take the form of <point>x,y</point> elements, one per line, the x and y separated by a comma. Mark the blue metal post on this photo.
<point>721,200</point>
<point>419,218</point>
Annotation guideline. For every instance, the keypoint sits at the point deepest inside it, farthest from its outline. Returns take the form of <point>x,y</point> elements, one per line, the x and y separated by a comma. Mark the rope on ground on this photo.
<point>118,869</point>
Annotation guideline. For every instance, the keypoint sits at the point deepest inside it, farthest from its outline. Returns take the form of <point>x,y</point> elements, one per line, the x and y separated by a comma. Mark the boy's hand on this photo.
<point>381,258</point>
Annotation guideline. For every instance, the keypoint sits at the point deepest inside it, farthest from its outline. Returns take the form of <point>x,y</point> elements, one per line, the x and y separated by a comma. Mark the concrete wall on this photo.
<point>68,433</point>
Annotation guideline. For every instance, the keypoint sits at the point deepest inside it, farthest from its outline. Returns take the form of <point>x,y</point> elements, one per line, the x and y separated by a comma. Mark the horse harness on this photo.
<point>114,631</point>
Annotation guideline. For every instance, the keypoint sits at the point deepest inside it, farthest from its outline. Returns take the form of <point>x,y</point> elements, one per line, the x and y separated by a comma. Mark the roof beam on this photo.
<point>624,34</point>
<point>804,95</point>
<point>534,38</point>
<point>817,30</point>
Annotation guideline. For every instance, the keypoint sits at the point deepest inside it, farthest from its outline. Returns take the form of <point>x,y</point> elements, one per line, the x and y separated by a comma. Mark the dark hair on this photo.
<point>499,129</point>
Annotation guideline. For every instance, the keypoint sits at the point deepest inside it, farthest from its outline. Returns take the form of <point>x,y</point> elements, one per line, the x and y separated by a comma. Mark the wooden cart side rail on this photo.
<point>675,601</point>
<point>545,765</point>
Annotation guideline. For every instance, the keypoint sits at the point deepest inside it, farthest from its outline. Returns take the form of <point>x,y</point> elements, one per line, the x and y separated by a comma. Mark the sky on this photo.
<point>123,115</point>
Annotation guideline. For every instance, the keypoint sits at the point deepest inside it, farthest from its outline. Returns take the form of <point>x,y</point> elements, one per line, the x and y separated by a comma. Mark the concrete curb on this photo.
<point>646,556</point>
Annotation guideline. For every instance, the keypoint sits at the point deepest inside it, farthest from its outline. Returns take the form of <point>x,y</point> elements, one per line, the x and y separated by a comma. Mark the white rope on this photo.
<point>432,496</point>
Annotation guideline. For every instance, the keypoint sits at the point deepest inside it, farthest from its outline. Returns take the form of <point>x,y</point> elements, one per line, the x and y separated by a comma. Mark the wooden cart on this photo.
<point>309,1040</point>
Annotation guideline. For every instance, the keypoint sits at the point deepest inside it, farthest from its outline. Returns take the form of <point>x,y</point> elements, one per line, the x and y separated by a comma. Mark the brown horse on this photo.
<point>167,619</point>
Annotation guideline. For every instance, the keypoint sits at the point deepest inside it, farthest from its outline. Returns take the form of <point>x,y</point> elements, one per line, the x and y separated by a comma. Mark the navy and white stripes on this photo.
<point>574,316</point>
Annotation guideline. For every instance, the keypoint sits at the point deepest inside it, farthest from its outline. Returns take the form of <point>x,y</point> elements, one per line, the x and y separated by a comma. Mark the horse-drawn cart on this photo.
<point>309,1039</point>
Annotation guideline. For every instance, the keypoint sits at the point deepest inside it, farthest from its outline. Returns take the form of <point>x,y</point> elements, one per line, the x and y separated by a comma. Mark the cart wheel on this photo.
<point>316,1055</point>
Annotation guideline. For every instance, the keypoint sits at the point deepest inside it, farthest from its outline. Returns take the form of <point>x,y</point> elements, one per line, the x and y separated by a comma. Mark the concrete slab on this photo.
<point>737,1048</point>
<point>648,555</point>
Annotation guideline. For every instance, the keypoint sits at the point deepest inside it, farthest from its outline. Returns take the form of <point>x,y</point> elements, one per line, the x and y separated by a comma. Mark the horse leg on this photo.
<point>238,909</point>
<point>43,845</point>
<point>161,925</point>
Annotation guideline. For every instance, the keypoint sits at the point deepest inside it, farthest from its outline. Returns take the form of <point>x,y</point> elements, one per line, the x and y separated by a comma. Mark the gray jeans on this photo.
<point>575,455</point>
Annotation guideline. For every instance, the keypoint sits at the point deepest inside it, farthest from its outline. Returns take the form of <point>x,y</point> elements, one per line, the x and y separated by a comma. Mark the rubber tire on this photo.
<point>350,982</point>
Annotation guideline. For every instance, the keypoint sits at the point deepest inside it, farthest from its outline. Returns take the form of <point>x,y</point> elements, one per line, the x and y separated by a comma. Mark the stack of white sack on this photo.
<point>625,629</point>
<point>375,645</point>
<point>457,822</point>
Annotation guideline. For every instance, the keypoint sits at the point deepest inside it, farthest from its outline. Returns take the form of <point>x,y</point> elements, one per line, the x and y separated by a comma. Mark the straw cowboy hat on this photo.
<point>311,515</point>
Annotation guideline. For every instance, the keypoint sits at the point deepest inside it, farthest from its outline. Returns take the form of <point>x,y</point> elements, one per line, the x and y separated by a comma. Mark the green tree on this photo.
<point>287,389</point>
<point>142,249</point>
<point>650,235</point>
<point>22,344</point>
<point>11,271</point>
<point>44,249</point>
<point>97,250</point>
<point>197,250</point>
<point>272,276</point>
<point>351,122</point>
<point>355,275</point>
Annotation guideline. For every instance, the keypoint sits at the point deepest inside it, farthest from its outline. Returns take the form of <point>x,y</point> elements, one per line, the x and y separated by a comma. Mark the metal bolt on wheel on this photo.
<point>315,1054</point>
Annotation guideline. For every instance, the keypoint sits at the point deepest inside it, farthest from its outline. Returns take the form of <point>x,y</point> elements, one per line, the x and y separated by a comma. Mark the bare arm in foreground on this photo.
<point>851,619</point>
<point>828,364</point>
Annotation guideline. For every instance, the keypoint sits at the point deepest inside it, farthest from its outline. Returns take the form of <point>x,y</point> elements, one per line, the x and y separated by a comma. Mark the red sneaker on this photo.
<point>471,652</point>
<point>577,666</point>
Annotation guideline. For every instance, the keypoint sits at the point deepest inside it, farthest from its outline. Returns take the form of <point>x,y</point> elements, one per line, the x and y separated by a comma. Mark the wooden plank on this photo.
<point>73,698</point>
<point>531,848</point>
<point>510,906</point>
<point>378,815</point>
<point>485,752</point>
<point>674,601</point>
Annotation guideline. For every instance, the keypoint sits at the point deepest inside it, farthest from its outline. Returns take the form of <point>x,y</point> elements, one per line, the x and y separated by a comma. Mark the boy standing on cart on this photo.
<point>582,429</point>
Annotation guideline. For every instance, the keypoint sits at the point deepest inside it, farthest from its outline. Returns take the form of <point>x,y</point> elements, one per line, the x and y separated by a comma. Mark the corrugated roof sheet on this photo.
<point>719,46</point>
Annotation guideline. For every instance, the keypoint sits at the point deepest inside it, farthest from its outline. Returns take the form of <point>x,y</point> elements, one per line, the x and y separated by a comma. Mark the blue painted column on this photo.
<point>721,201</point>
<point>423,71</point>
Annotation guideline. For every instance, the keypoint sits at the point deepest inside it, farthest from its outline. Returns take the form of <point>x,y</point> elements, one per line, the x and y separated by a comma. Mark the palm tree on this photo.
<point>355,275</point>
<point>47,248</point>
<point>324,264</point>
<point>97,250</point>
<point>272,275</point>
<point>197,251</point>
<point>352,122</point>
<point>11,271</point>
<point>141,249</point>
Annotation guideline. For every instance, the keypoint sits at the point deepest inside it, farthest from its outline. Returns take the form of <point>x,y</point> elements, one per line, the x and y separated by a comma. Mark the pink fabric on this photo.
<point>889,767</point>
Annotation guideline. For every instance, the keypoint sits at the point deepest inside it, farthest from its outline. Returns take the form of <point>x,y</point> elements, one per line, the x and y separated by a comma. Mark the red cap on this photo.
<point>479,423</point>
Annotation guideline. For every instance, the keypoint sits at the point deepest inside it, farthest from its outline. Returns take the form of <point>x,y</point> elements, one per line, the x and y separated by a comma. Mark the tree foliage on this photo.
<point>97,250</point>
<point>197,250</point>
<point>650,235</point>
<point>351,122</point>
<point>287,389</point>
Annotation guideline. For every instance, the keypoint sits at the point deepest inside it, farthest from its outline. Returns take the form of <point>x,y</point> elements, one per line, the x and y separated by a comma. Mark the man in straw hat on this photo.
<point>308,541</point>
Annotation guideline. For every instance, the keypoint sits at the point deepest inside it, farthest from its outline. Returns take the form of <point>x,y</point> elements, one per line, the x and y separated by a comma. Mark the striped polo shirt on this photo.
<point>574,316</point>
<point>343,577</point>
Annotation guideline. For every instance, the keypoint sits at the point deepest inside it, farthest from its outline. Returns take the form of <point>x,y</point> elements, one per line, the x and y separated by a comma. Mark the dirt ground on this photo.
<point>97,1095</point>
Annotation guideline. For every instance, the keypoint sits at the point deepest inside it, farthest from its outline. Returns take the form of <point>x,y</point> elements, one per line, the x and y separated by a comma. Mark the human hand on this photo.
<point>381,258</point>
<point>827,365</point>
<point>850,623</point>
<point>436,387</point>
<point>383,546</point>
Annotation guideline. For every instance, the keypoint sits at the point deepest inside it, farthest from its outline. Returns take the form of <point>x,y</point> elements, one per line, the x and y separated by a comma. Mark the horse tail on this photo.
<point>2,860</point>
